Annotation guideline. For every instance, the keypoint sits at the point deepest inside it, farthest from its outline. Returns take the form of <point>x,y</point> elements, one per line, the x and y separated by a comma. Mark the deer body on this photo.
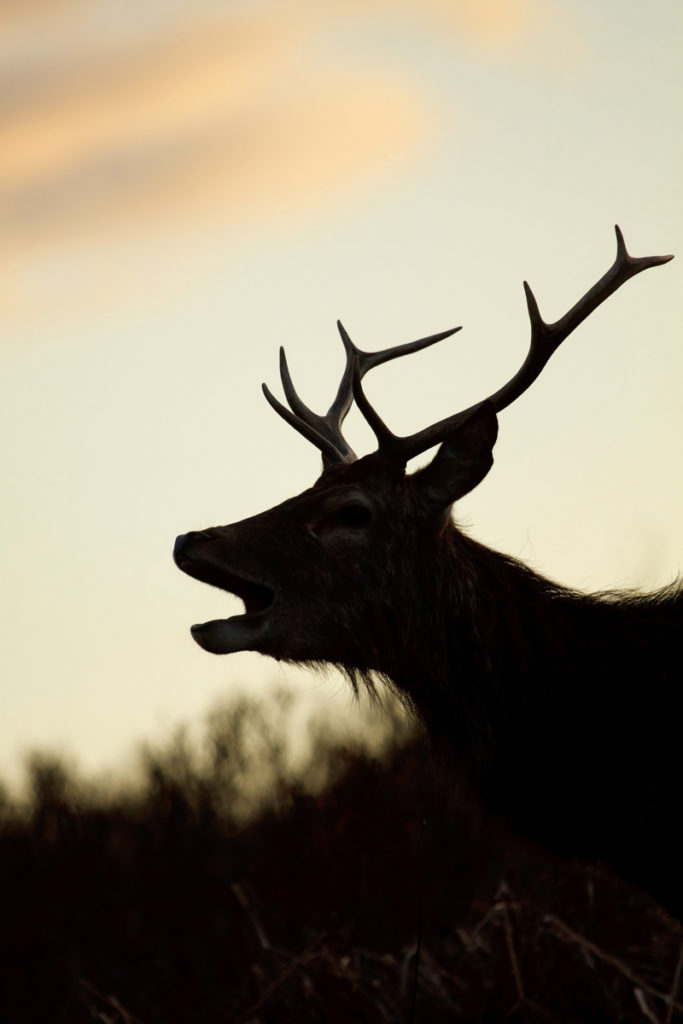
<point>564,710</point>
<point>567,710</point>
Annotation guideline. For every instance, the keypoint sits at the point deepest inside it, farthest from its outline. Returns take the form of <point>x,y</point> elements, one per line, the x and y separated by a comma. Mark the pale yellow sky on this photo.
<point>183,189</point>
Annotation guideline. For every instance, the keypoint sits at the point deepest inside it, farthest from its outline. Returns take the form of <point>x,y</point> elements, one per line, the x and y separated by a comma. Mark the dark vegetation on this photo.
<point>227,887</point>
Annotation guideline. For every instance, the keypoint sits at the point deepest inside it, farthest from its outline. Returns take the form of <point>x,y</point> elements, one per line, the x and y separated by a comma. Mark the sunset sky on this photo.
<point>185,185</point>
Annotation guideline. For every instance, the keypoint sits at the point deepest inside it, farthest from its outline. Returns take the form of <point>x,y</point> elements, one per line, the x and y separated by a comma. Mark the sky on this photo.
<point>185,185</point>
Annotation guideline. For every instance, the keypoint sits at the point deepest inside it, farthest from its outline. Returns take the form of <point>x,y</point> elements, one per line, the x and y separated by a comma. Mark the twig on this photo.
<point>282,976</point>
<point>510,940</point>
<point>416,970</point>
<point>643,1006</point>
<point>567,934</point>
<point>244,903</point>
<point>110,1001</point>
<point>674,987</point>
<point>494,909</point>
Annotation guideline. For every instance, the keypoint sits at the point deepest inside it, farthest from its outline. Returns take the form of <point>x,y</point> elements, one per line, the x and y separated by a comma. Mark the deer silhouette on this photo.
<point>563,710</point>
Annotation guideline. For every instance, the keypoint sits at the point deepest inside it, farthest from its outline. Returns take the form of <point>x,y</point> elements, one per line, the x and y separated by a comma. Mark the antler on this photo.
<point>545,339</point>
<point>325,431</point>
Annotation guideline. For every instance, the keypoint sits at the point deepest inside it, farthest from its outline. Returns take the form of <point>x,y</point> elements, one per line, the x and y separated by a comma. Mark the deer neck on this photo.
<point>488,622</point>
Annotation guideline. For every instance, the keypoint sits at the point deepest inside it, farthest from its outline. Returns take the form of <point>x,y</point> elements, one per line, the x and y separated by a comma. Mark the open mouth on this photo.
<point>257,597</point>
<point>239,632</point>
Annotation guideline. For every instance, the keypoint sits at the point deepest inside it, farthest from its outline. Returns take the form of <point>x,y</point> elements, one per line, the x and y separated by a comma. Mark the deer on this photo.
<point>562,710</point>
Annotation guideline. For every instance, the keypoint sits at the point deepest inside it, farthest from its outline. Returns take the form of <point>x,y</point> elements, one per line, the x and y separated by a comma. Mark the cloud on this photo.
<point>188,117</point>
<point>223,123</point>
<point>98,139</point>
<point>99,131</point>
<point>106,121</point>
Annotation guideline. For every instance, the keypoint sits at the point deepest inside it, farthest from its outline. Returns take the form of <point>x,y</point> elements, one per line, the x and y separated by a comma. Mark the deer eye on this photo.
<point>352,516</point>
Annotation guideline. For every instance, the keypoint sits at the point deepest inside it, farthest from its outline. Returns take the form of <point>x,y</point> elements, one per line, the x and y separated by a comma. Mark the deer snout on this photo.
<point>185,542</point>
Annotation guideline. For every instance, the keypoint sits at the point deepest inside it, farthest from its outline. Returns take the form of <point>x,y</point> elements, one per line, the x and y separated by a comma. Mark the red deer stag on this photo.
<point>564,709</point>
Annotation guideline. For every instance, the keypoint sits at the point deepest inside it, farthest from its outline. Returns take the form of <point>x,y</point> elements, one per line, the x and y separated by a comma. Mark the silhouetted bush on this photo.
<point>232,885</point>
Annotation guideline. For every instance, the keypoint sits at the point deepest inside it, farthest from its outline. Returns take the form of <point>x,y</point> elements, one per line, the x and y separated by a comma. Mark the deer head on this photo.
<point>328,575</point>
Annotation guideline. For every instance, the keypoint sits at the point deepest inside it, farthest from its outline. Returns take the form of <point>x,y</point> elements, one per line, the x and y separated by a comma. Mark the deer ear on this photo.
<point>462,461</point>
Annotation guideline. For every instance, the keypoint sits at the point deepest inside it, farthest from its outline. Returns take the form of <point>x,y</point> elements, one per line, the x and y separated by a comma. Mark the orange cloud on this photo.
<point>202,119</point>
<point>101,131</point>
<point>211,128</point>
<point>13,11</point>
<point>108,127</point>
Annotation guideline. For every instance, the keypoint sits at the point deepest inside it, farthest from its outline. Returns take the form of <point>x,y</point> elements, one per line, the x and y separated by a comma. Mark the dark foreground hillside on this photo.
<point>358,892</point>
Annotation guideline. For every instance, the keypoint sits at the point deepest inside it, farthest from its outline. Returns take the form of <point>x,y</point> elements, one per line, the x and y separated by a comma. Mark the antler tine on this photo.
<point>342,400</point>
<point>367,360</point>
<point>295,403</point>
<point>330,452</point>
<point>326,427</point>
<point>545,339</point>
<point>325,431</point>
<point>364,361</point>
